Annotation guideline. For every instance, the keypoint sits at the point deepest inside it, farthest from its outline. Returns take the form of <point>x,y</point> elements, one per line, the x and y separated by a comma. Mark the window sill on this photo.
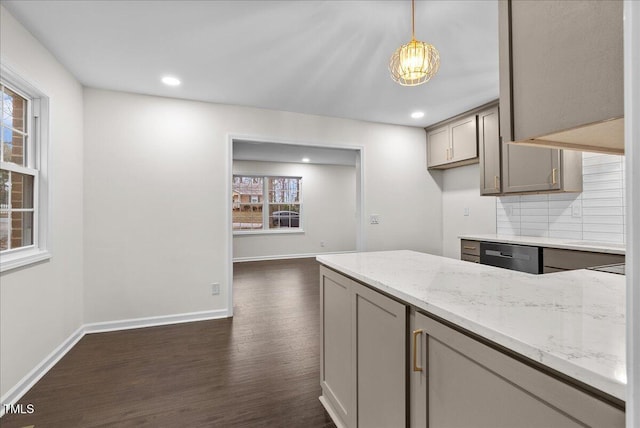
<point>267,232</point>
<point>22,258</point>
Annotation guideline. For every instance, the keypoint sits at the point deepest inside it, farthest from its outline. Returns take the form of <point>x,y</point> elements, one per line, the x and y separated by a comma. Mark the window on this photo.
<point>266,203</point>
<point>23,211</point>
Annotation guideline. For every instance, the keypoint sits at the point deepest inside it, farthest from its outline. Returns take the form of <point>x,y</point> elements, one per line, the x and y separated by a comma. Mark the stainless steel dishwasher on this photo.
<point>522,258</point>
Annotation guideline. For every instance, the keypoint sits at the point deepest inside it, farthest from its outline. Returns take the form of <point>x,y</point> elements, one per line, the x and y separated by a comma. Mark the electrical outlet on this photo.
<point>322,243</point>
<point>215,289</point>
<point>466,212</point>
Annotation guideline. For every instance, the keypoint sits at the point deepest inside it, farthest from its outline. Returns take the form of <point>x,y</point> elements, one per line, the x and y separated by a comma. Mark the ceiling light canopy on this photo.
<point>416,62</point>
<point>306,160</point>
<point>171,81</point>
<point>417,114</point>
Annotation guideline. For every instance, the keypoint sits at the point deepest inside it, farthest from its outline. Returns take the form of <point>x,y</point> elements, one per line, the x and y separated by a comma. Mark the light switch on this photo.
<point>466,212</point>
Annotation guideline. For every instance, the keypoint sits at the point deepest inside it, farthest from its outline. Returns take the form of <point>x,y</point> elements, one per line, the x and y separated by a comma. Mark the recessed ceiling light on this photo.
<point>417,114</point>
<point>306,160</point>
<point>170,81</point>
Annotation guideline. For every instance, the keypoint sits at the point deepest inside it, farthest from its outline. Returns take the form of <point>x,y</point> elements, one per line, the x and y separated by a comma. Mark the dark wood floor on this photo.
<point>259,369</point>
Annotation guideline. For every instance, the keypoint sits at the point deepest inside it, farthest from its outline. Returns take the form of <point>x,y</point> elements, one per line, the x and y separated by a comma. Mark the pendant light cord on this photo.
<point>413,20</point>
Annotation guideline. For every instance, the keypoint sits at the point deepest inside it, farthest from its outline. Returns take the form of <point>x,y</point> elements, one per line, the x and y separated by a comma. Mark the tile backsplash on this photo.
<point>596,214</point>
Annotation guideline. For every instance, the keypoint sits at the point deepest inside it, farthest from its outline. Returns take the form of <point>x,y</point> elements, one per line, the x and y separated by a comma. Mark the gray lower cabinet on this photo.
<point>363,354</point>
<point>558,260</point>
<point>470,251</point>
<point>456,381</point>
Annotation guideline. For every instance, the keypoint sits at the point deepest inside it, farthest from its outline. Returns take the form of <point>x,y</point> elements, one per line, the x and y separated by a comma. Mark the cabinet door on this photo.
<point>464,139</point>
<point>566,64</point>
<point>380,323</point>
<point>556,259</point>
<point>468,384</point>
<point>337,377</point>
<point>529,169</point>
<point>438,147</point>
<point>489,148</point>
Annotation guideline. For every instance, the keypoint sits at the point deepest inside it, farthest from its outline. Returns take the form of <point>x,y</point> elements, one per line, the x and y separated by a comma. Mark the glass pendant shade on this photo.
<point>414,63</point>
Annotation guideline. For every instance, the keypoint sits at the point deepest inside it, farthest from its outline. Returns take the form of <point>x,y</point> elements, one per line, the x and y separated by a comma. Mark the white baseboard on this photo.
<point>101,327</point>
<point>14,394</point>
<point>334,416</point>
<point>285,256</point>
<point>26,383</point>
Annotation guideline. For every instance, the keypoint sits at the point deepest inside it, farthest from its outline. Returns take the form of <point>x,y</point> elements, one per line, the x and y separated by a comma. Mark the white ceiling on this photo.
<point>318,57</point>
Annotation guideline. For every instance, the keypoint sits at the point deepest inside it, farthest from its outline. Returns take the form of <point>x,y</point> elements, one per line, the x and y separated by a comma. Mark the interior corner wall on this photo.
<point>328,212</point>
<point>156,221</point>
<point>41,305</point>
<point>463,209</point>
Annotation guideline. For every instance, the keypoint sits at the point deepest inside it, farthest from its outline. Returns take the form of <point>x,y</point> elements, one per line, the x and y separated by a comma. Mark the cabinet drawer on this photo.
<point>571,259</point>
<point>469,258</point>
<point>471,248</point>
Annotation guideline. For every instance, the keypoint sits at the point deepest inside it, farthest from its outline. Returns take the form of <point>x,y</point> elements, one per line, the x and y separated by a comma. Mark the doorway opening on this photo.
<point>292,199</point>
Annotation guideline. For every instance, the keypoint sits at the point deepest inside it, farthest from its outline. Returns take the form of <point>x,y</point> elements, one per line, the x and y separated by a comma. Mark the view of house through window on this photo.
<point>266,203</point>
<point>17,175</point>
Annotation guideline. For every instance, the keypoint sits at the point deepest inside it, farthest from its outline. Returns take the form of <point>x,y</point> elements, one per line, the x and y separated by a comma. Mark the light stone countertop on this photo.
<point>566,244</point>
<point>572,322</point>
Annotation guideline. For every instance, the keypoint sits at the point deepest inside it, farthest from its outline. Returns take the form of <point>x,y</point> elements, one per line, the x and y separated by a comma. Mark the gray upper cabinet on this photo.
<point>453,143</point>
<point>464,139</point>
<point>531,106</point>
<point>534,169</point>
<point>438,146</point>
<point>561,73</point>
<point>489,151</point>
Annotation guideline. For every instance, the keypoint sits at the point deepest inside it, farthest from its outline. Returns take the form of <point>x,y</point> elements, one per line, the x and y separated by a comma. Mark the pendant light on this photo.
<point>416,62</point>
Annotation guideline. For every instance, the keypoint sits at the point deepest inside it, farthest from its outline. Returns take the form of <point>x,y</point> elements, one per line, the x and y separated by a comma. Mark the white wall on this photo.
<point>41,305</point>
<point>461,191</point>
<point>156,172</point>
<point>328,211</point>
<point>596,214</point>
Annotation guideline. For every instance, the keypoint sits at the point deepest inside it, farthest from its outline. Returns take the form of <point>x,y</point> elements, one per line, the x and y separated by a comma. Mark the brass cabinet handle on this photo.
<point>554,173</point>
<point>416,333</point>
<point>496,183</point>
<point>468,248</point>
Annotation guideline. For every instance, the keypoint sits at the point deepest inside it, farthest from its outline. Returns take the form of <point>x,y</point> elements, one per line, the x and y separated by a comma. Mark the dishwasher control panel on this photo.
<point>522,258</point>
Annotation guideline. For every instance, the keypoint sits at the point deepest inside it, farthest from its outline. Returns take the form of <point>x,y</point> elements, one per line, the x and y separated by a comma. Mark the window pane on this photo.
<point>13,110</point>
<point>284,190</point>
<point>4,190</point>
<point>247,217</point>
<point>247,202</point>
<point>4,230</point>
<point>13,145</point>
<point>21,229</point>
<point>21,191</point>
<point>284,216</point>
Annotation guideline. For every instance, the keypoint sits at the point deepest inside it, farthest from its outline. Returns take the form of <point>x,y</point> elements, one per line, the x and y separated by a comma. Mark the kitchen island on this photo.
<point>569,326</point>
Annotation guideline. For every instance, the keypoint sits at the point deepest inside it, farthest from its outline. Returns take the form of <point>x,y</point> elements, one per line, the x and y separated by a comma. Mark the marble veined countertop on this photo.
<point>566,244</point>
<point>572,322</point>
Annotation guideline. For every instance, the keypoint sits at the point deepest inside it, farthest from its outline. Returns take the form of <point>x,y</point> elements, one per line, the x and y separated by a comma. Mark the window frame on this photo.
<point>38,161</point>
<point>265,207</point>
